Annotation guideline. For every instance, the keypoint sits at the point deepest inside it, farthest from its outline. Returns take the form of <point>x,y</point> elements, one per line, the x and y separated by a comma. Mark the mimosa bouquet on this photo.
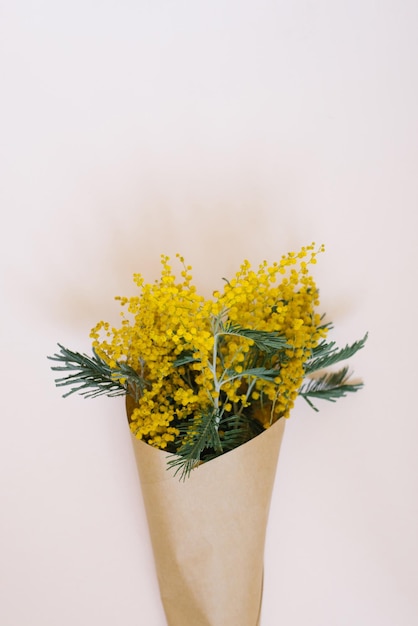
<point>209,383</point>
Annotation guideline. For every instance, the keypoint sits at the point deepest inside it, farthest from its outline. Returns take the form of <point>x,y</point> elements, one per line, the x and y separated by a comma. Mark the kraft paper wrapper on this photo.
<point>208,532</point>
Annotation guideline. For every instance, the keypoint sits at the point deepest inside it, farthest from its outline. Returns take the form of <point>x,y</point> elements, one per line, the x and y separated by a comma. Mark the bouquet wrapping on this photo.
<point>208,532</point>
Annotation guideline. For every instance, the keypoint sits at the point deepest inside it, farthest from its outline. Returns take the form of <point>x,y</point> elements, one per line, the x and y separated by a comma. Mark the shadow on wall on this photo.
<point>75,281</point>
<point>74,278</point>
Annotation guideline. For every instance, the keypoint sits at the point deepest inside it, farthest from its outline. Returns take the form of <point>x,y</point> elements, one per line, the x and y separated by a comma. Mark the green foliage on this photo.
<point>202,435</point>
<point>329,386</point>
<point>270,342</point>
<point>261,373</point>
<point>210,436</point>
<point>185,358</point>
<point>217,430</point>
<point>238,429</point>
<point>93,377</point>
<point>327,354</point>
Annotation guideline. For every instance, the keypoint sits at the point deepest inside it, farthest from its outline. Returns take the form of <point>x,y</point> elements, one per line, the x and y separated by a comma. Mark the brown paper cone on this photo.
<point>208,533</point>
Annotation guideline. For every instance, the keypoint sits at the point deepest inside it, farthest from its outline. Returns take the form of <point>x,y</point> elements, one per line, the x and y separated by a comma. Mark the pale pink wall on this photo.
<point>221,130</point>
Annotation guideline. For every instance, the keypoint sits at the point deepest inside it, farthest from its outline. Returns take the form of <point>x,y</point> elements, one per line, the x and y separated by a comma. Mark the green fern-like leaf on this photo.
<point>327,354</point>
<point>238,429</point>
<point>92,376</point>
<point>330,386</point>
<point>257,372</point>
<point>185,358</point>
<point>202,435</point>
<point>265,341</point>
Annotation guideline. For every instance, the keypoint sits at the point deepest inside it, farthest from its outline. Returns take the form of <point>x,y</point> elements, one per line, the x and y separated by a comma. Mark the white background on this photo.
<point>223,130</point>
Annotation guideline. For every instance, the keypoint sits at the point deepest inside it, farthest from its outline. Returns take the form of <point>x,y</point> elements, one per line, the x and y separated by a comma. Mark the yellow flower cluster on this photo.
<point>183,348</point>
<point>168,319</point>
<point>258,300</point>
